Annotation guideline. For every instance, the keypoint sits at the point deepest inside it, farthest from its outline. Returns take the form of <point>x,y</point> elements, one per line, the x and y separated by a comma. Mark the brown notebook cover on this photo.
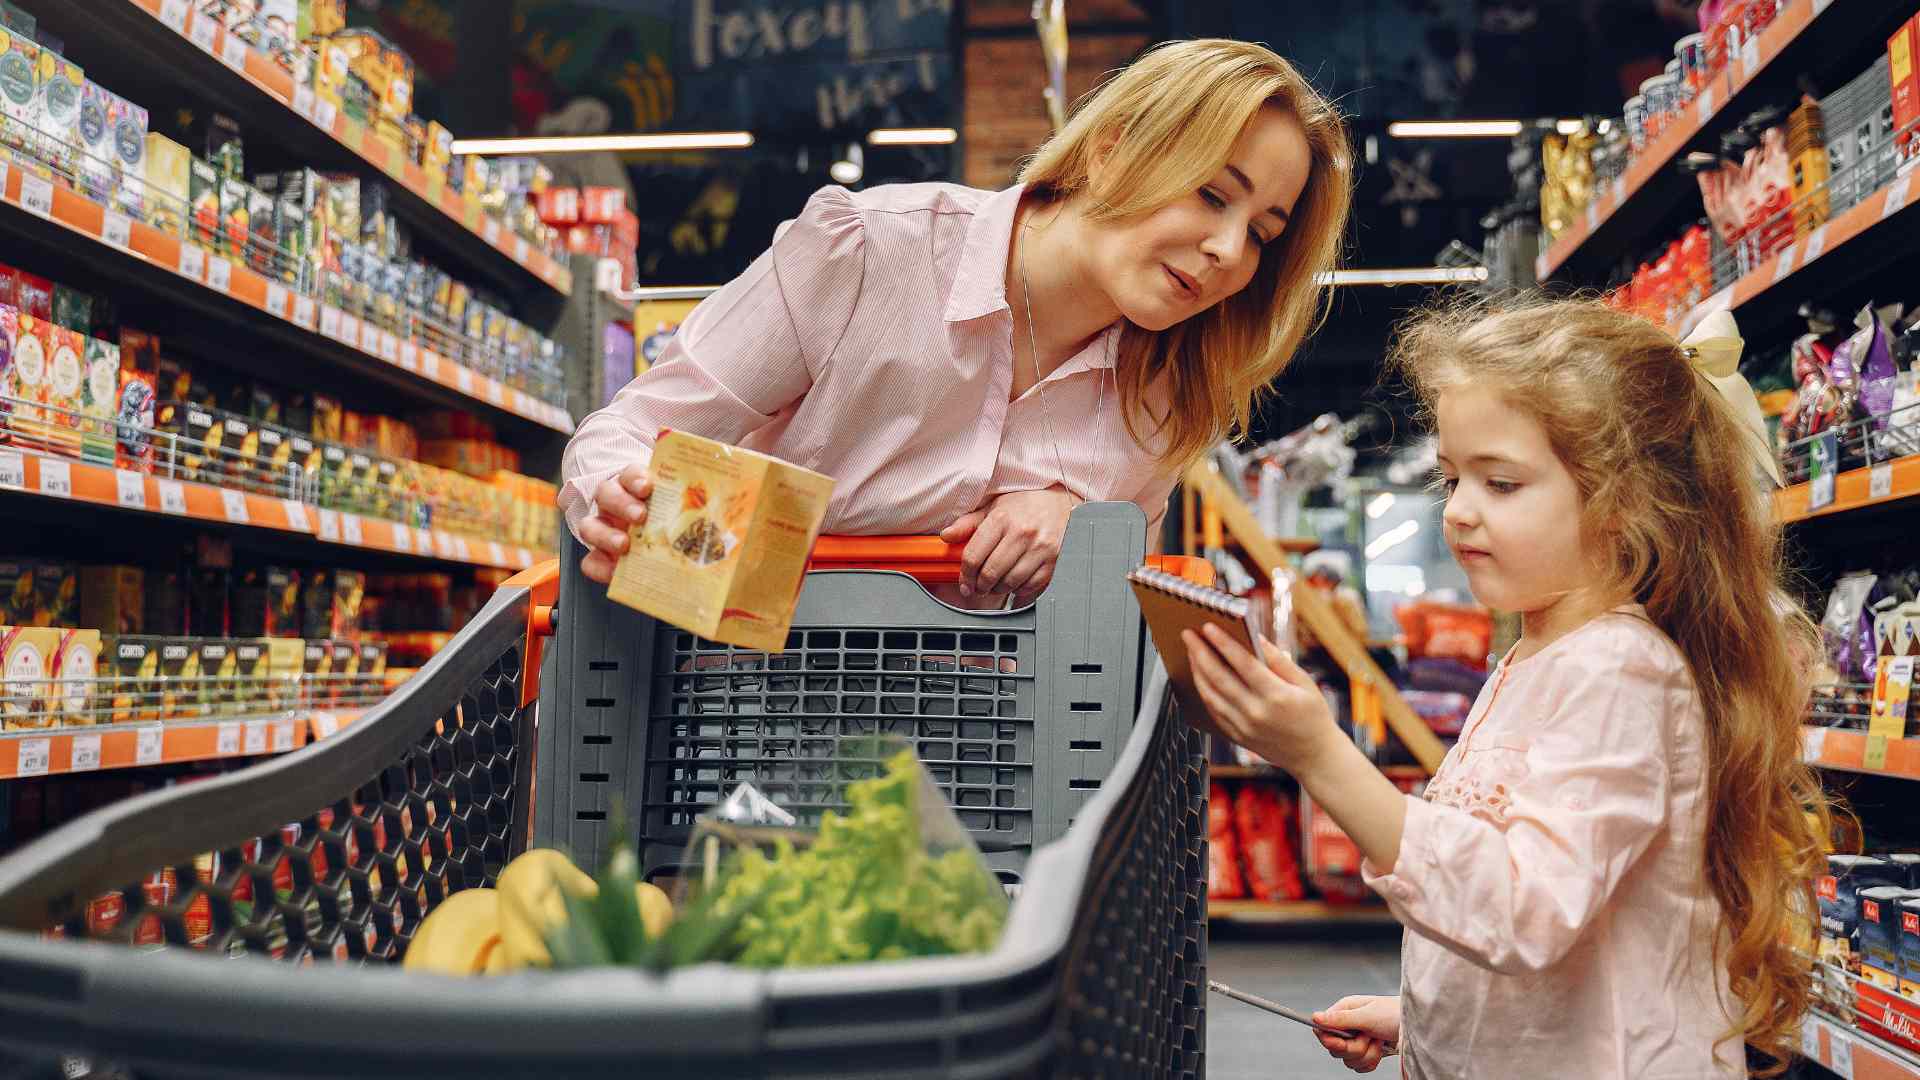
<point>1173,604</point>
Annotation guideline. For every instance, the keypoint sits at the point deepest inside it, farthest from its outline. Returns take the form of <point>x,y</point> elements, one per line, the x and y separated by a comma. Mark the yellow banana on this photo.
<point>455,936</point>
<point>656,910</point>
<point>531,901</point>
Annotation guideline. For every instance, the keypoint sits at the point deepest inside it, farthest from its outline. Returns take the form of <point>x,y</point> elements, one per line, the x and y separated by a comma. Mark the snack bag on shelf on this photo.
<point>1223,851</point>
<point>1264,823</point>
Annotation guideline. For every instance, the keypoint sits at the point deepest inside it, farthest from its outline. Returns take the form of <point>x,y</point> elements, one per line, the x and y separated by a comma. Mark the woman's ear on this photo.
<point>1102,154</point>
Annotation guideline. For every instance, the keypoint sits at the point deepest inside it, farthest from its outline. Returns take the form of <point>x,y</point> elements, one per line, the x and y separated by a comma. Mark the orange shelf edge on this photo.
<point>1852,490</point>
<point>51,752</point>
<point>1847,750</point>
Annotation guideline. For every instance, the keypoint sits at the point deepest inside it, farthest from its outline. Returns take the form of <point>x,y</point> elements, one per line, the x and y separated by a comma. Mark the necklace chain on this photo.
<point>1033,357</point>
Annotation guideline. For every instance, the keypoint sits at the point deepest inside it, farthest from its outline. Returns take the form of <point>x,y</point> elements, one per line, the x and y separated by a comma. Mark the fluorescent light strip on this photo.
<point>582,144</point>
<point>1426,275</point>
<point>942,136</point>
<point>1454,129</point>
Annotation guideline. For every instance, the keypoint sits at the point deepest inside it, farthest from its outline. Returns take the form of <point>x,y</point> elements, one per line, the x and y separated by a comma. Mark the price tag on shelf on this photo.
<point>325,724</point>
<point>227,739</point>
<point>369,338</point>
<point>1784,267</point>
<point>329,525</point>
<point>1823,461</point>
<point>1880,481</point>
<point>149,744</point>
<point>117,229</point>
<point>460,550</point>
<point>403,539</point>
<point>1840,1044</point>
<point>193,261</point>
<point>13,469</point>
<point>174,14</point>
<point>350,529</point>
<point>173,497</point>
<point>1749,58</point>
<point>130,489</point>
<point>1703,104</point>
<point>233,53</point>
<point>1816,243</point>
<point>423,540</point>
<point>296,514</point>
<point>56,478</point>
<point>86,754</point>
<point>349,329</point>
<point>389,348</point>
<point>495,393</point>
<point>36,194</point>
<point>204,30</point>
<point>325,113</point>
<point>277,299</point>
<point>235,505</point>
<point>34,757</point>
<point>523,558</point>
<point>463,378</point>
<point>1896,196</point>
<point>219,274</point>
<point>282,736</point>
<point>304,311</point>
<point>410,356</point>
<point>520,249</point>
<point>256,737</point>
<point>1813,743</point>
<point>430,364</point>
<point>303,101</point>
<point>497,553</point>
<point>490,229</point>
<point>330,321</point>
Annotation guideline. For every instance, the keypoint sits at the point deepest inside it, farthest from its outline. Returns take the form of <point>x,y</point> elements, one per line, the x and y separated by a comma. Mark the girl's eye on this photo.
<point>1502,487</point>
<point>1446,483</point>
<point>1211,199</point>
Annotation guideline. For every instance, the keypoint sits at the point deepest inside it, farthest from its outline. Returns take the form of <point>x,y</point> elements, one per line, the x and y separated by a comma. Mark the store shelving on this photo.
<point>1853,489</point>
<point>236,292</point>
<point>1835,748</point>
<point>24,474</point>
<point>1802,33</point>
<point>1298,913</point>
<point>175,37</point>
<point>1849,1052</point>
<point>1268,772</point>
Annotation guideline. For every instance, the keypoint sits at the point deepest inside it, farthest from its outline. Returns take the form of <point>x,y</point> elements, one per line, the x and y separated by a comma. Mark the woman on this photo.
<point>977,363</point>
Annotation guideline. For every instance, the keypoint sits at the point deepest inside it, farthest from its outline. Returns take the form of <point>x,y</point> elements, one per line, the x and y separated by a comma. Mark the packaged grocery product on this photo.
<point>62,85</point>
<point>28,384</point>
<point>726,542</point>
<point>1879,934</point>
<point>135,412</point>
<point>97,175</point>
<point>286,663</point>
<point>56,595</point>
<point>251,673</point>
<point>66,374</point>
<point>19,89</point>
<point>167,168</point>
<point>113,598</point>
<point>166,600</point>
<point>207,611</point>
<point>27,657</point>
<point>1838,892</point>
<point>263,241</point>
<point>132,662</point>
<point>99,401</point>
<point>1223,850</point>
<point>1908,947</point>
<point>344,674</point>
<point>177,679</point>
<point>235,214</point>
<point>203,195</point>
<point>1903,48</point>
<point>76,671</point>
<point>316,674</point>
<point>220,142</point>
<point>1263,818</point>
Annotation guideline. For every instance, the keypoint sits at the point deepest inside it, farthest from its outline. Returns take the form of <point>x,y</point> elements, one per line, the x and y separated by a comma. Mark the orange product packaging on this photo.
<point>724,549</point>
<point>1903,52</point>
<point>1223,852</point>
<point>1264,820</point>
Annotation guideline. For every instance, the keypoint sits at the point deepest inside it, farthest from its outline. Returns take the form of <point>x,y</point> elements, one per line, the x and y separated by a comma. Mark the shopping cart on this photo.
<point>1050,729</point>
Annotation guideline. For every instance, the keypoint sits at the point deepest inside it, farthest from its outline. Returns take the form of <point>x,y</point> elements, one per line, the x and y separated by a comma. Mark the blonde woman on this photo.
<point>976,363</point>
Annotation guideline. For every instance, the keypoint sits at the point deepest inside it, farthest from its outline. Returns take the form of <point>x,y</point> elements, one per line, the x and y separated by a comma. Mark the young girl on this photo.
<point>974,363</point>
<point>1599,878</point>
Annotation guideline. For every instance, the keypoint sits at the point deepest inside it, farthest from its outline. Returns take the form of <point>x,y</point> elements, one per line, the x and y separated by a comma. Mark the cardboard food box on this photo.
<point>263,242</point>
<point>66,373</point>
<point>216,676</point>
<point>113,598</point>
<point>1838,892</point>
<point>39,593</point>
<point>1903,52</point>
<point>177,678</point>
<point>373,667</point>
<point>76,671</point>
<point>203,197</point>
<point>97,176</point>
<point>19,89</point>
<point>129,126</point>
<point>27,381</point>
<point>62,85</point>
<point>316,675</point>
<point>99,399</point>
<point>138,398</point>
<point>251,674</point>
<point>133,663</point>
<point>286,664</point>
<point>724,548</point>
<point>1879,934</point>
<point>235,214</point>
<point>27,654</point>
<point>1909,947</point>
<point>168,172</point>
<point>344,675</point>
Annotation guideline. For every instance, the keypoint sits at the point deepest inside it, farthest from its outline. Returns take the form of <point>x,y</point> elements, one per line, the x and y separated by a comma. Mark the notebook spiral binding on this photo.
<point>1209,598</point>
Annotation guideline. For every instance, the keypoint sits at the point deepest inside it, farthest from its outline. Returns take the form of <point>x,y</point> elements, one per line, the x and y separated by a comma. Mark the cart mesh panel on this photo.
<point>722,716</point>
<point>351,882</point>
<point>1135,974</point>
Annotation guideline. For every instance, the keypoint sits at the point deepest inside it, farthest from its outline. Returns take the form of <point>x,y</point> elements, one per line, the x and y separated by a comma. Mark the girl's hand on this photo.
<point>1376,1019</point>
<point>619,502</point>
<point>1274,709</point>
<point>1012,543</point>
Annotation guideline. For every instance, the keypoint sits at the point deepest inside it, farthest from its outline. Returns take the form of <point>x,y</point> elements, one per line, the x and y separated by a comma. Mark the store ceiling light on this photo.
<point>586,144</point>
<point>1454,129</point>
<point>1392,538</point>
<point>1380,504</point>
<point>941,136</point>
<point>1417,275</point>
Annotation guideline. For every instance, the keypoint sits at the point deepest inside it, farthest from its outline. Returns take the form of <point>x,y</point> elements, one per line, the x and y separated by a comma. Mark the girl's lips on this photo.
<point>1466,554</point>
<point>1181,282</point>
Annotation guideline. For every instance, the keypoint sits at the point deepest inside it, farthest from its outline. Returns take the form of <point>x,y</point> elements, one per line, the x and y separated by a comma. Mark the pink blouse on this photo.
<point>873,343</point>
<point>1551,881</point>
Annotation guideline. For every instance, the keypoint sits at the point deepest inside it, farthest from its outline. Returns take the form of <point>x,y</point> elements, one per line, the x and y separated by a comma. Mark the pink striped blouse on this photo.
<point>873,343</point>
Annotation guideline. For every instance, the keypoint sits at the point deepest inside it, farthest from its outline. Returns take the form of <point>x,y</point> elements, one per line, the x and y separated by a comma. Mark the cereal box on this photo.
<point>168,171</point>
<point>99,400</point>
<point>62,85</point>
<point>725,543</point>
<point>27,654</point>
<point>130,144</point>
<point>75,671</point>
<point>19,89</point>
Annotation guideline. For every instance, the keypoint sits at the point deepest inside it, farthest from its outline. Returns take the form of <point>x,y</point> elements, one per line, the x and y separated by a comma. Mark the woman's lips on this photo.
<point>1181,283</point>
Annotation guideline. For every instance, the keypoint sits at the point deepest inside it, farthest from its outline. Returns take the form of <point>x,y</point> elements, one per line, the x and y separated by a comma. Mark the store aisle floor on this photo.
<point>1244,1043</point>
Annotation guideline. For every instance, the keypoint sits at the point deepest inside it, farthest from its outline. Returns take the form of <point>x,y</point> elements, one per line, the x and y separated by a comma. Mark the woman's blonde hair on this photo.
<point>1666,478</point>
<point>1166,124</point>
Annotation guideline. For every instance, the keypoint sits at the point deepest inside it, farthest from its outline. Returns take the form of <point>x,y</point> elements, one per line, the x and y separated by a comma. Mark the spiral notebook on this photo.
<point>1171,605</point>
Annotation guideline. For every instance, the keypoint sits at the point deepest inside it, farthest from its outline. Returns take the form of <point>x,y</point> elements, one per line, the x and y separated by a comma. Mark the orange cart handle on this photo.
<point>932,561</point>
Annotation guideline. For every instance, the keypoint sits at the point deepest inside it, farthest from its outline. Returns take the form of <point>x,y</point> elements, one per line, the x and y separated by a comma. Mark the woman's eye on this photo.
<point>1212,199</point>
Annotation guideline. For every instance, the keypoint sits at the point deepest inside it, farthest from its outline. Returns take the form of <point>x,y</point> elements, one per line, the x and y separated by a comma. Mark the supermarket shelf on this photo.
<point>1880,216</point>
<point>1804,32</point>
<point>55,751</point>
<point>1268,772</point>
<point>1833,748</point>
<point>1852,490</point>
<point>318,328</point>
<point>1840,1048</point>
<point>1298,913</point>
<point>26,474</point>
<point>193,49</point>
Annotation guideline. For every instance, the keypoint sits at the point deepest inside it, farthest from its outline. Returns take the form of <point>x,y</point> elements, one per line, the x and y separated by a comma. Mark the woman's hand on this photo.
<point>1012,543</point>
<point>1375,1019</point>
<point>619,503</point>
<point>1274,708</point>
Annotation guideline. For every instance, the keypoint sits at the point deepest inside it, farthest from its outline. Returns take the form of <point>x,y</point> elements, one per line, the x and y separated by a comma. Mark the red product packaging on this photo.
<point>559,206</point>
<point>1223,852</point>
<point>602,205</point>
<point>9,286</point>
<point>1263,817</point>
<point>35,296</point>
<point>1901,49</point>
